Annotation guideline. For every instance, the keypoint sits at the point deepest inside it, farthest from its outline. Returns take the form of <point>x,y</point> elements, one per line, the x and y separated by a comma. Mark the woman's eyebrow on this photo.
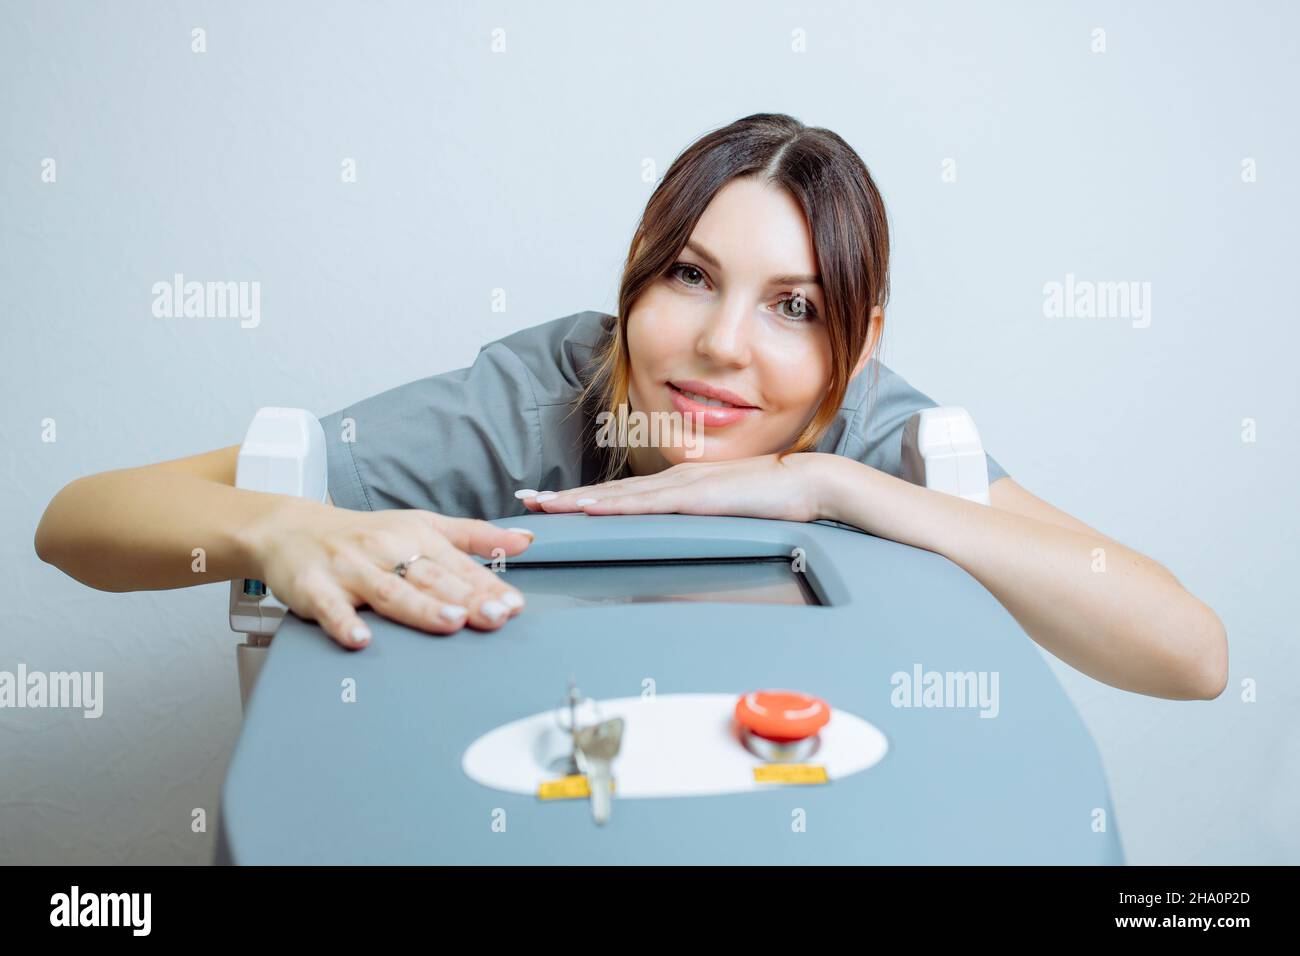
<point>712,260</point>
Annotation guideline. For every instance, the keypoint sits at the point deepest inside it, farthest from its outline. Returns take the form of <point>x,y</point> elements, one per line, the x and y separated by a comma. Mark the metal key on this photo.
<point>568,764</point>
<point>597,747</point>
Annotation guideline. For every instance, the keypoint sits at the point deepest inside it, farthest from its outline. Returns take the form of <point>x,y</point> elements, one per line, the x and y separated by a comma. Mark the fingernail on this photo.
<point>512,600</point>
<point>522,531</point>
<point>585,501</point>
<point>525,493</point>
<point>453,611</point>
<point>494,610</point>
<point>361,634</point>
<point>546,496</point>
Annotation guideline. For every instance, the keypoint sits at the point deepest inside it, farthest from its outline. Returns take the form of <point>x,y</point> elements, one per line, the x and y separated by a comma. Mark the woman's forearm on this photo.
<point>1099,606</point>
<point>151,529</point>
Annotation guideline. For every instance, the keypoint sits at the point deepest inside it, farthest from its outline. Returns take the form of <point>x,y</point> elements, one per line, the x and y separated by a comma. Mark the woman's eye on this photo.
<point>682,268</point>
<point>800,308</point>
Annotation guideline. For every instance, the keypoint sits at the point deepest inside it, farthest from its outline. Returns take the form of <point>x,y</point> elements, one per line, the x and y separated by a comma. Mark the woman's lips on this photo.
<point>715,416</point>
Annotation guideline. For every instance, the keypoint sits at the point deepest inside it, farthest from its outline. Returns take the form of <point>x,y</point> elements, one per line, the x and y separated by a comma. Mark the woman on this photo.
<point>751,306</point>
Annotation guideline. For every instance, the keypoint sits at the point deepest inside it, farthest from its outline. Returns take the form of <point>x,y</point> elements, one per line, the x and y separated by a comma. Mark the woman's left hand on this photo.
<point>761,487</point>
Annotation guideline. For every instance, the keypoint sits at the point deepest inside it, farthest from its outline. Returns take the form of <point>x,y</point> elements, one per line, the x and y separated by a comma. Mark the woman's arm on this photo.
<point>138,529</point>
<point>1101,607</point>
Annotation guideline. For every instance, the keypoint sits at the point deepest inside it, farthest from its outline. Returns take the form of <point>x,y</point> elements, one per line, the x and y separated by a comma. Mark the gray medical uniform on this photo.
<point>462,442</point>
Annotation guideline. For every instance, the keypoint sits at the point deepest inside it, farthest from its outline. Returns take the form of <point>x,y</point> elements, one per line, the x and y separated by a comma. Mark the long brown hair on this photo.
<point>850,234</point>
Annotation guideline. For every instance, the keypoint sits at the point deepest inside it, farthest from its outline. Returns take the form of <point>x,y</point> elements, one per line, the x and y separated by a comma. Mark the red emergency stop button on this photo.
<point>782,714</point>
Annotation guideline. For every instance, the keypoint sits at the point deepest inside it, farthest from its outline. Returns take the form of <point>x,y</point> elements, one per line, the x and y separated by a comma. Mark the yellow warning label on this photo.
<point>790,773</point>
<point>572,787</point>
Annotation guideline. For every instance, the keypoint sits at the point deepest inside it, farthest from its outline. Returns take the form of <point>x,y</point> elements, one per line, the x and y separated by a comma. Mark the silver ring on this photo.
<point>400,568</point>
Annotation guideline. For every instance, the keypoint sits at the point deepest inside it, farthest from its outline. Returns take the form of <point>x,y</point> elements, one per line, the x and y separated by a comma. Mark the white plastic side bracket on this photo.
<point>942,450</point>
<point>283,453</point>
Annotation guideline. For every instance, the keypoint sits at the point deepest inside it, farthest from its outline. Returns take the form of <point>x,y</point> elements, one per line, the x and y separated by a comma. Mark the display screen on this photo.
<point>767,580</point>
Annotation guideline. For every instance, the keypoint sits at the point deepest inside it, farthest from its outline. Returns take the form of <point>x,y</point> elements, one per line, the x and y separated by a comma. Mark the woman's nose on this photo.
<point>725,338</point>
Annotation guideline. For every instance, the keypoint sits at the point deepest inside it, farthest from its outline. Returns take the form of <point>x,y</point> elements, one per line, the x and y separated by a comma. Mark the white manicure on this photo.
<point>512,600</point>
<point>495,610</point>
<point>546,496</point>
<point>585,501</point>
<point>453,611</point>
<point>525,493</point>
<point>361,634</point>
<point>522,531</point>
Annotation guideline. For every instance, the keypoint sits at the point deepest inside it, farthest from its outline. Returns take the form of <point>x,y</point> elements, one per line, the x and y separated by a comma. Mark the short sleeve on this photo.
<point>459,443</point>
<point>883,405</point>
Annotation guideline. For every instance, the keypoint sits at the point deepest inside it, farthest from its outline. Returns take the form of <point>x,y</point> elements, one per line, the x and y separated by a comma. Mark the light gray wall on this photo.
<point>522,171</point>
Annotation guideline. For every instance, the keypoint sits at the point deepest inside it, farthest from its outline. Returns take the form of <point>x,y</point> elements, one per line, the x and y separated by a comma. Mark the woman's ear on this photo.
<point>875,327</point>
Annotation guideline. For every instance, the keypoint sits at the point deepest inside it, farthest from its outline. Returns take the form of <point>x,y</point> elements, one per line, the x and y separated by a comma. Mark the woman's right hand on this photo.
<point>324,562</point>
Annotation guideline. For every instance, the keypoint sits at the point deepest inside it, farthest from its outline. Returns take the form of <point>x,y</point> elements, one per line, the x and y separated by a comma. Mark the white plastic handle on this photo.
<point>942,450</point>
<point>283,453</point>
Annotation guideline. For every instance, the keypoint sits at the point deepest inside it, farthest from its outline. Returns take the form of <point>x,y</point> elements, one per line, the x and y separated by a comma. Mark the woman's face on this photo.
<point>726,324</point>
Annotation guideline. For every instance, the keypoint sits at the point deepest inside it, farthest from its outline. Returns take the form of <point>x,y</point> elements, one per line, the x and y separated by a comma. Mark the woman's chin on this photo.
<point>706,449</point>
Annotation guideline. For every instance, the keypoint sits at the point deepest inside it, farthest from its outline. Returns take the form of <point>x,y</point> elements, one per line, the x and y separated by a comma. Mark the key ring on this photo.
<point>570,705</point>
<point>400,568</point>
